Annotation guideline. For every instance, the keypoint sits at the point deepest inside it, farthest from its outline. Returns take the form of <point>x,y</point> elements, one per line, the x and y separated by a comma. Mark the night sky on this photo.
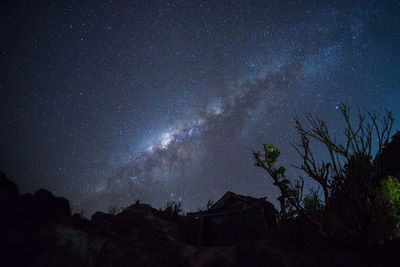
<point>106,102</point>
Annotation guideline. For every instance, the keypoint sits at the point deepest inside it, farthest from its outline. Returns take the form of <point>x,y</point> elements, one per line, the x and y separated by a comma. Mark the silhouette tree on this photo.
<point>350,178</point>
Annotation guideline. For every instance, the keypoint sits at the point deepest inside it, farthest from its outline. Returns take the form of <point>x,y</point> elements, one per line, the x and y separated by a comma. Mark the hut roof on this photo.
<point>230,203</point>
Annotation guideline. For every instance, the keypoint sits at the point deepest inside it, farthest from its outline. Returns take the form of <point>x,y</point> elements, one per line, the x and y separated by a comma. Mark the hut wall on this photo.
<point>230,229</point>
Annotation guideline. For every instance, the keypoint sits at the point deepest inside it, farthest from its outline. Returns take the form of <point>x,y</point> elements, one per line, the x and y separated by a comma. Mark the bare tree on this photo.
<point>350,166</point>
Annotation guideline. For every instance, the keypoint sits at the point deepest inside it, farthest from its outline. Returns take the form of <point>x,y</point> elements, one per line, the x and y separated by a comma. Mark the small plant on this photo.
<point>172,209</point>
<point>267,161</point>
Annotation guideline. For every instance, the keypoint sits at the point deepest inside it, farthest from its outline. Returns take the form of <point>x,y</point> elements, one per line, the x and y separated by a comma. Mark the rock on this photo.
<point>100,218</point>
<point>7,185</point>
<point>10,202</point>
<point>38,230</point>
<point>48,207</point>
<point>79,222</point>
<point>141,208</point>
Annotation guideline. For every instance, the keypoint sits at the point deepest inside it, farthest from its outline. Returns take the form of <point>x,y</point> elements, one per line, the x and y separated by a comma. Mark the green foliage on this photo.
<point>357,199</point>
<point>289,194</point>
<point>387,209</point>
<point>281,171</point>
<point>391,190</point>
<point>271,153</point>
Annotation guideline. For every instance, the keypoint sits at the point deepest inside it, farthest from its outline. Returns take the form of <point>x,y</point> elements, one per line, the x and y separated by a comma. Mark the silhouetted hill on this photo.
<point>39,230</point>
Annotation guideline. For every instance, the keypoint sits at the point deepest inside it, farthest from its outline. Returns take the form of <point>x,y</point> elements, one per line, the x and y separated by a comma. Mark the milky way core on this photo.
<point>109,102</point>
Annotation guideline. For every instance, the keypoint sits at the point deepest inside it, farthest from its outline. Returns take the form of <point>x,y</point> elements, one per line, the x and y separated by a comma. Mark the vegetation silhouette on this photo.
<point>352,220</point>
<point>360,197</point>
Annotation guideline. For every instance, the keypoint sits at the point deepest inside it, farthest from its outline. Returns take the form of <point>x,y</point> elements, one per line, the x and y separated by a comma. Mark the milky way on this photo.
<point>109,102</point>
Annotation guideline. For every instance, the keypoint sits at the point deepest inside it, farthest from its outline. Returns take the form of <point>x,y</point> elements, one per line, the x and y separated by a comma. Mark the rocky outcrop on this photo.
<point>24,219</point>
<point>38,230</point>
<point>7,186</point>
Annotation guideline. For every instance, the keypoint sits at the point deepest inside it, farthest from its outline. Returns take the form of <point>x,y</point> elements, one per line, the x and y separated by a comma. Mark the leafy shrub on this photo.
<point>357,199</point>
<point>387,209</point>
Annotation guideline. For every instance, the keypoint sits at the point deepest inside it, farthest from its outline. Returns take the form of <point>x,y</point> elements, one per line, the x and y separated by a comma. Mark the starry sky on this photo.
<point>106,102</point>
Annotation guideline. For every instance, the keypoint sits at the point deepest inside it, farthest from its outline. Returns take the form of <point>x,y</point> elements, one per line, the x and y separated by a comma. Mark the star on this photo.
<point>164,101</point>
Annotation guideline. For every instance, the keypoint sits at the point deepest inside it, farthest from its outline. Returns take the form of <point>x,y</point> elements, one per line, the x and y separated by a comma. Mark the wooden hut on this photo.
<point>234,219</point>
